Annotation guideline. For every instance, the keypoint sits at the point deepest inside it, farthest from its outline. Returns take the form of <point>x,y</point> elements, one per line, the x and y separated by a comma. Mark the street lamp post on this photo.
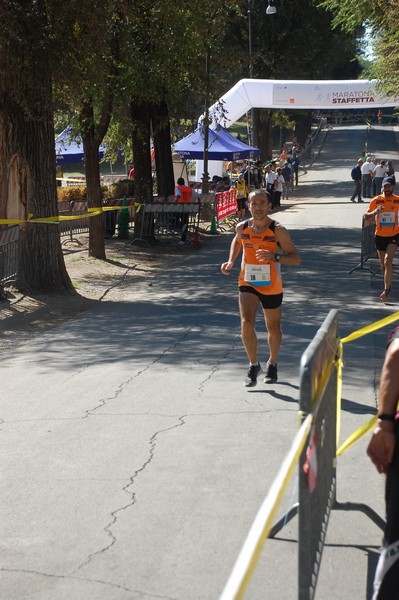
<point>271,10</point>
<point>205,174</point>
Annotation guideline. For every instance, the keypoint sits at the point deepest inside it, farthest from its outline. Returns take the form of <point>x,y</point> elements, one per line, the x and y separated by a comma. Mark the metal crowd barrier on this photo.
<point>368,249</point>
<point>226,209</point>
<point>70,228</point>
<point>162,219</point>
<point>317,478</point>
<point>314,450</point>
<point>9,247</point>
<point>166,219</point>
<point>317,486</point>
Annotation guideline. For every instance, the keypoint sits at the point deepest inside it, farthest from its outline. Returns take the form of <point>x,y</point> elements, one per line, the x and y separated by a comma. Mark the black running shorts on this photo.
<point>267,300</point>
<point>382,242</point>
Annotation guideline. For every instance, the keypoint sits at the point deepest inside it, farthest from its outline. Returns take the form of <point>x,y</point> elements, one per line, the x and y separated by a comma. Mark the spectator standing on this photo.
<point>385,209</point>
<point>356,175</point>
<point>390,169</point>
<point>183,196</point>
<point>270,177</point>
<point>286,172</point>
<point>383,450</point>
<point>373,188</point>
<point>379,117</point>
<point>379,173</point>
<point>295,167</point>
<point>367,171</point>
<point>242,191</point>
<point>248,176</point>
<point>279,184</point>
<point>257,173</point>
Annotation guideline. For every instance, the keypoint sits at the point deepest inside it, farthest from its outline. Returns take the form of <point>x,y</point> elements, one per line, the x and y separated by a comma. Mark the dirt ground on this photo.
<point>23,317</point>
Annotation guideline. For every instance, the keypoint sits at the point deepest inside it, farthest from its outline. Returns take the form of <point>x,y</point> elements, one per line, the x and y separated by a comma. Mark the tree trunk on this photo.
<point>92,136</point>
<point>265,135</point>
<point>141,132</point>
<point>163,152</point>
<point>28,167</point>
<point>94,198</point>
<point>303,126</point>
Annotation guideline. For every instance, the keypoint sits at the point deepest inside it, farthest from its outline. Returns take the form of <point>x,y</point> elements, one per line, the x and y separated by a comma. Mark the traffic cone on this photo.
<point>213,228</point>
<point>196,243</point>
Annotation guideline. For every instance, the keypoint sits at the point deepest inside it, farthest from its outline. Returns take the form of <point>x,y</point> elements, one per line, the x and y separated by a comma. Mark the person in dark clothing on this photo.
<point>295,166</point>
<point>357,180</point>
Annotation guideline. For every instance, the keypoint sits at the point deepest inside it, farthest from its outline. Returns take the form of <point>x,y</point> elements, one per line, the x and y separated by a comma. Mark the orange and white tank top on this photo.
<point>264,277</point>
<point>386,221</point>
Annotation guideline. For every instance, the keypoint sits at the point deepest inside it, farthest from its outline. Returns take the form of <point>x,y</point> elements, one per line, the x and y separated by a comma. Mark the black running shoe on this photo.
<point>271,373</point>
<point>252,376</point>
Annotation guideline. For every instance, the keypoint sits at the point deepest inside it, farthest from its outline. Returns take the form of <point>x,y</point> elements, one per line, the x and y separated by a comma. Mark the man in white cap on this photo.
<point>385,209</point>
<point>367,176</point>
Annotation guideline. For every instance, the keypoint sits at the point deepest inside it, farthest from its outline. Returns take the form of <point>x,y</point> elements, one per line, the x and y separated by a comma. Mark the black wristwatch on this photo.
<point>386,417</point>
<point>277,257</point>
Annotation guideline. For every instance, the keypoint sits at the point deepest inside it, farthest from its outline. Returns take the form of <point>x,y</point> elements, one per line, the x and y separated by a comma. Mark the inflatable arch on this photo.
<point>291,95</point>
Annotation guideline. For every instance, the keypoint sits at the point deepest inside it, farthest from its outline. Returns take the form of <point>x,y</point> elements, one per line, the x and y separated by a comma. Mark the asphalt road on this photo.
<point>133,459</point>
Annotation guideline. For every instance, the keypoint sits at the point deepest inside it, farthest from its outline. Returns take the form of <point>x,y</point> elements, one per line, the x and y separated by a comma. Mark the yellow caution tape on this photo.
<point>356,435</point>
<point>340,365</point>
<point>11,221</point>
<point>349,338</point>
<point>260,529</point>
<point>370,328</point>
<point>91,212</point>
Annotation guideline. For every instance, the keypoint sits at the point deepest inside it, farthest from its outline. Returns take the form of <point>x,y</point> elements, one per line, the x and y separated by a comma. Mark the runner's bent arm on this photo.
<point>373,210</point>
<point>382,444</point>
<point>235,249</point>
<point>290,255</point>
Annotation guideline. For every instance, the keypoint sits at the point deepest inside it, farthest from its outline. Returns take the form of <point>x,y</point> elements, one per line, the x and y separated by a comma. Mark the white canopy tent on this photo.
<point>291,95</point>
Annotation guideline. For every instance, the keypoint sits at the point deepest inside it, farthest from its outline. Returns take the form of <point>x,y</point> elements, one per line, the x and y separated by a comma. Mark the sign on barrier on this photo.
<point>226,204</point>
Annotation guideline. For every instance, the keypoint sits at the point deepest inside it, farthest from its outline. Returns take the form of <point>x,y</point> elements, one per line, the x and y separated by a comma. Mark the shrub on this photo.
<point>75,193</point>
<point>125,187</point>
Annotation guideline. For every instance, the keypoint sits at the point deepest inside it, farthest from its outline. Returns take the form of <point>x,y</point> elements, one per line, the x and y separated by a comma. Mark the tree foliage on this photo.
<point>143,61</point>
<point>381,18</point>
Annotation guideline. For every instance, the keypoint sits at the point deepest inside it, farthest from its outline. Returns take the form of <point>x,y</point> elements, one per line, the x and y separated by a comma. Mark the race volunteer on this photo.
<point>183,195</point>
<point>242,191</point>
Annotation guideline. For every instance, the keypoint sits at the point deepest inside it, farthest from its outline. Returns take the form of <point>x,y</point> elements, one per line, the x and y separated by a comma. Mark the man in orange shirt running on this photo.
<point>385,209</point>
<point>265,245</point>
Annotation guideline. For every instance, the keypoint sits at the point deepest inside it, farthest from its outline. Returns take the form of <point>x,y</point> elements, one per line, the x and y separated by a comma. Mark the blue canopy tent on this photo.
<point>222,145</point>
<point>69,150</point>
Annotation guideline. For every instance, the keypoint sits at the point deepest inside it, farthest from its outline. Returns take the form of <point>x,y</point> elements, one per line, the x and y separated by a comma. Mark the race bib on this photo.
<point>257,275</point>
<point>387,219</point>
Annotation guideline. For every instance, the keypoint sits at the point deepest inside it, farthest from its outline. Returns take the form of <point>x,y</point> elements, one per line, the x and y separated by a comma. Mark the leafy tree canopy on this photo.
<point>381,18</point>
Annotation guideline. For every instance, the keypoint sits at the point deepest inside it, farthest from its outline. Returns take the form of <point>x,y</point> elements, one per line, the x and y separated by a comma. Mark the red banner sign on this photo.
<point>226,204</point>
